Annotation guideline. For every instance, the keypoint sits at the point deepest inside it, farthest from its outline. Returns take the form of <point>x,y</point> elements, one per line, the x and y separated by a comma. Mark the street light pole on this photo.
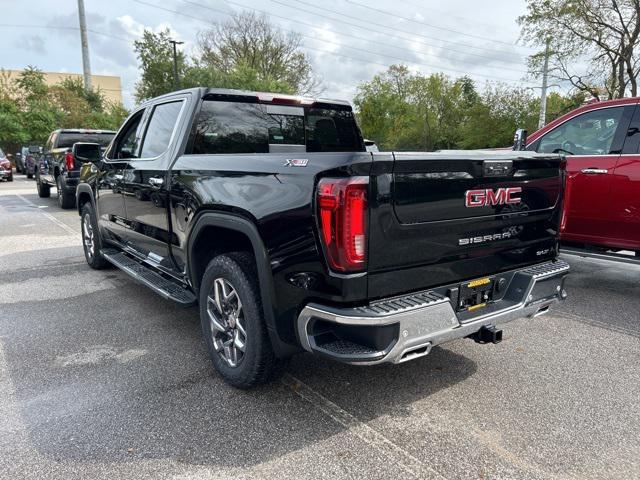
<point>86,65</point>
<point>176,80</point>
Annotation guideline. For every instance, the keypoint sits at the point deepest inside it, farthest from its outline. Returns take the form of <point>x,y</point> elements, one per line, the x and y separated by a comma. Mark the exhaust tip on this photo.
<point>415,352</point>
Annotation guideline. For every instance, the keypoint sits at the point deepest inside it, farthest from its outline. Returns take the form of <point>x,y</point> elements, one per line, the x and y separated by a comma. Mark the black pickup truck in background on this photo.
<point>57,167</point>
<point>268,212</point>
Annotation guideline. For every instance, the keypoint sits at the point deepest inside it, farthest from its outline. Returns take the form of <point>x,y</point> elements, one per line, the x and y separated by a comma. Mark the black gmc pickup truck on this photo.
<point>57,166</point>
<point>268,212</point>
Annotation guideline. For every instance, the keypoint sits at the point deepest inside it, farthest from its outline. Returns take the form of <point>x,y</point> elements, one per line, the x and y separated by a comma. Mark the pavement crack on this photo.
<point>405,460</point>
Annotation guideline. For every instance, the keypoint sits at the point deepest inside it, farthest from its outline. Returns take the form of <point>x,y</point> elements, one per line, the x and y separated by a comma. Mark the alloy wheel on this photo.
<point>59,189</point>
<point>87,235</point>
<point>226,322</point>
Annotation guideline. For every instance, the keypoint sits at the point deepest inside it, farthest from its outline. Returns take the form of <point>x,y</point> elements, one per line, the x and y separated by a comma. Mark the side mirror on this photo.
<point>520,139</point>
<point>86,152</point>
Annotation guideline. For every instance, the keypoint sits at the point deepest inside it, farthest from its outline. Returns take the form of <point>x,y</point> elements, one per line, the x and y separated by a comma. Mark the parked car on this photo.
<point>31,154</point>
<point>602,143</point>
<point>19,162</point>
<point>267,211</point>
<point>57,165</point>
<point>6,170</point>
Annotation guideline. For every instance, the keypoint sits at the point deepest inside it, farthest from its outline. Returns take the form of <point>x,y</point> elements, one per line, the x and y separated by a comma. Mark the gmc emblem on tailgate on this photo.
<point>489,197</point>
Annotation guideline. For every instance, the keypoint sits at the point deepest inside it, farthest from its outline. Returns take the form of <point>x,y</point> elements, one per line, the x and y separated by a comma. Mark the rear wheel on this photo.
<point>91,240</point>
<point>232,322</point>
<point>29,175</point>
<point>44,191</point>
<point>10,179</point>
<point>65,199</point>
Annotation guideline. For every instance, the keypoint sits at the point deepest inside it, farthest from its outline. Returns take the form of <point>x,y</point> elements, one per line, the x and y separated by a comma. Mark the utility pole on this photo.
<point>86,65</point>
<point>543,92</point>
<point>176,80</point>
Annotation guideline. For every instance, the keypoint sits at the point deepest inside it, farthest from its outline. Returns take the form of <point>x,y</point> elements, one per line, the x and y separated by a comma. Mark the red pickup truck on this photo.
<point>602,144</point>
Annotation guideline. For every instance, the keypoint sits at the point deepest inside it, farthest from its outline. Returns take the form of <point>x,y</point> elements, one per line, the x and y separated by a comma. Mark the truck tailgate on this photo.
<point>445,217</point>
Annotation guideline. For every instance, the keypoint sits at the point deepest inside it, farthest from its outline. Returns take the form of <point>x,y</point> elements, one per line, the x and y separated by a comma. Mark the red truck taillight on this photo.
<point>69,161</point>
<point>342,212</point>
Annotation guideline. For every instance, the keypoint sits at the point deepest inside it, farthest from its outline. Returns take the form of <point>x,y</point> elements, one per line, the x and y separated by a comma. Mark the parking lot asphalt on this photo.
<point>101,378</point>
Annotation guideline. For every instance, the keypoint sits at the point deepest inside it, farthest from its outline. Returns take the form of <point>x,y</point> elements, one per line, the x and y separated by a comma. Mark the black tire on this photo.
<point>258,364</point>
<point>29,175</point>
<point>44,191</point>
<point>93,256</point>
<point>66,199</point>
<point>10,179</point>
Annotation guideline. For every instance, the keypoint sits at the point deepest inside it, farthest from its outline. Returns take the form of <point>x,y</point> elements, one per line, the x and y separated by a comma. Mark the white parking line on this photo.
<point>62,225</point>
<point>364,432</point>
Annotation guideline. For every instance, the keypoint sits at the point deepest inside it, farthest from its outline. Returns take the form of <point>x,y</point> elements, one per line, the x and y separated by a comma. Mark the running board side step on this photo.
<point>149,277</point>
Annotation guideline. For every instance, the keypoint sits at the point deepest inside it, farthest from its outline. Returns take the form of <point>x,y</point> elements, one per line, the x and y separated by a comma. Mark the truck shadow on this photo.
<point>121,375</point>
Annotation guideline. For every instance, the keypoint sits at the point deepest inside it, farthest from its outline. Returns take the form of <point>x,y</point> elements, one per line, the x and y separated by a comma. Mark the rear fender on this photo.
<point>265,275</point>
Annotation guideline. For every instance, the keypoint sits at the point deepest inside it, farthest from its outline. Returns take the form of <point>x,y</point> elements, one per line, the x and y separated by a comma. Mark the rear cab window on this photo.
<point>67,139</point>
<point>227,127</point>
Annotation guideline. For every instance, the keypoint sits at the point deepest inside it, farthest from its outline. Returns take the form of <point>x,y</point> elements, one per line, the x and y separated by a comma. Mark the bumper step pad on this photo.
<point>151,278</point>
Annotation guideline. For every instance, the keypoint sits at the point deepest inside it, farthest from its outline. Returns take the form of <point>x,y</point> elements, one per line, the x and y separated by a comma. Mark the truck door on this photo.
<point>592,142</point>
<point>111,213</point>
<point>145,188</point>
<point>625,197</point>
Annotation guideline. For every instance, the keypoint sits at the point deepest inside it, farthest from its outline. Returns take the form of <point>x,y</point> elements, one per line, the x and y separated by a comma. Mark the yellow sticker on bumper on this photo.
<point>477,283</point>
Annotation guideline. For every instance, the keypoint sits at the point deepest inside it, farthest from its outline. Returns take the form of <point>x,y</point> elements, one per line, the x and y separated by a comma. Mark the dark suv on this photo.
<point>58,167</point>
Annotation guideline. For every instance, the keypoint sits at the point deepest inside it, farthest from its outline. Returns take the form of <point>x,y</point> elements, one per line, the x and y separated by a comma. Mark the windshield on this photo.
<point>236,127</point>
<point>66,140</point>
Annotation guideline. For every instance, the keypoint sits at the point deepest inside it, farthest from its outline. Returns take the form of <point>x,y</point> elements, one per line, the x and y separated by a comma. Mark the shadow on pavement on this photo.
<point>122,375</point>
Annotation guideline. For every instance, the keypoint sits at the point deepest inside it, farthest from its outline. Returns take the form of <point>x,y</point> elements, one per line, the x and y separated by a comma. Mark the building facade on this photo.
<point>110,86</point>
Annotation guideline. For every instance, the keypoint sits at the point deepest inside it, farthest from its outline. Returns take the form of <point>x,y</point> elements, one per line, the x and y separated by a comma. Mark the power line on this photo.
<point>391,14</point>
<point>387,27</point>
<point>55,27</point>
<point>368,40</point>
<point>334,43</point>
<point>448,14</point>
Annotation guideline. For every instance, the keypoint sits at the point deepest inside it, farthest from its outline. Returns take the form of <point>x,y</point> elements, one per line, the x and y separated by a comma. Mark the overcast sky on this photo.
<point>348,41</point>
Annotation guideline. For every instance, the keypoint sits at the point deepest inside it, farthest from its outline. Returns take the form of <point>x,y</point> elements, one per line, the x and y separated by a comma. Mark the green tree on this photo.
<point>604,33</point>
<point>155,58</point>
<point>30,110</point>
<point>248,46</point>
<point>405,111</point>
<point>492,121</point>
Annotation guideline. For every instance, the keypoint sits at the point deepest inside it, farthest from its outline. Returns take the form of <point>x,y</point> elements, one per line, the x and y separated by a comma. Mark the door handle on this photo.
<point>594,171</point>
<point>155,181</point>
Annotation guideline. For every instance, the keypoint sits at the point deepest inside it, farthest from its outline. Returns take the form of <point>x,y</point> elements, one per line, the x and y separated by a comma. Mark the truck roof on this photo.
<point>83,130</point>
<point>262,96</point>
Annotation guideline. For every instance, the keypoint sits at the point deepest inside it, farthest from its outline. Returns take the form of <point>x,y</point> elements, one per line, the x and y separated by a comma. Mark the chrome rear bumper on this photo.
<point>403,328</point>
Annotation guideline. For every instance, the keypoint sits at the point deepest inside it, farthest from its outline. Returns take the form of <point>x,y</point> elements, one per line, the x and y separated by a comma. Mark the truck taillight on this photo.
<point>69,161</point>
<point>342,212</point>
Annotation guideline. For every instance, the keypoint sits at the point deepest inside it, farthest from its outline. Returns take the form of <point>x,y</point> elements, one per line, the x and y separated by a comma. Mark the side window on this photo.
<point>591,133</point>
<point>126,144</point>
<point>160,129</point>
